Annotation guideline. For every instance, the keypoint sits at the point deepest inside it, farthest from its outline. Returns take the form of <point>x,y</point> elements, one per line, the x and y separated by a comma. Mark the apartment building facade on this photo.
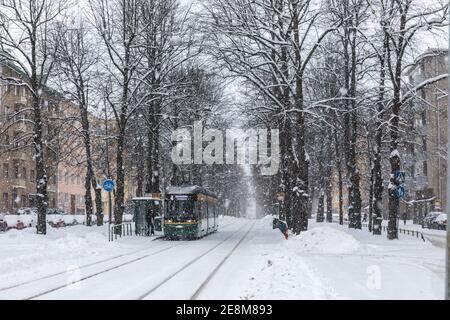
<point>425,160</point>
<point>17,165</point>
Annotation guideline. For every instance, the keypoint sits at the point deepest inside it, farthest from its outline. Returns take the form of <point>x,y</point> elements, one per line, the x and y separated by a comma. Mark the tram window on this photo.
<point>204,210</point>
<point>198,209</point>
<point>181,209</point>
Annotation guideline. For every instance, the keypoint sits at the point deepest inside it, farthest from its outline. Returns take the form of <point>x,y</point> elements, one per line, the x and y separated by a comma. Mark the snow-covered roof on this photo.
<point>146,199</point>
<point>189,189</point>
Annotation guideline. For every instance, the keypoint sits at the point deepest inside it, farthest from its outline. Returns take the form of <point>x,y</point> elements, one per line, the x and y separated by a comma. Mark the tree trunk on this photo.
<point>394,159</point>
<point>41,173</point>
<point>329,202</point>
<point>140,169</point>
<point>89,167</point>
<point>320,208</point>
<point>153,179</point>
<point>371,199</point>
<point>119,205</point>
<point>340,182</point>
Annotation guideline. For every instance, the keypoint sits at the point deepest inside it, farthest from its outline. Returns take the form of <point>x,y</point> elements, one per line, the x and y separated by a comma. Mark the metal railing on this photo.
<point>414,233</point>
<point>124,229</point>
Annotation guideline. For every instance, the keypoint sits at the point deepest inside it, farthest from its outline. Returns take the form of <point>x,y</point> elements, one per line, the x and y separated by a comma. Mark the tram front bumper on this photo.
<point>180,230</point>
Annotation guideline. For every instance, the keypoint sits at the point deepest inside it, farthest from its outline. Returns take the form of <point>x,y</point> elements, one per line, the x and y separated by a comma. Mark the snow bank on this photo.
<point>324,240</point>
<point>30,220</point>
<point>24,254</point>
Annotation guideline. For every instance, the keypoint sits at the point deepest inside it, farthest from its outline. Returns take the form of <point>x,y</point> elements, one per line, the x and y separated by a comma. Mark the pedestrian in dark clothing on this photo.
<point>149,220</point>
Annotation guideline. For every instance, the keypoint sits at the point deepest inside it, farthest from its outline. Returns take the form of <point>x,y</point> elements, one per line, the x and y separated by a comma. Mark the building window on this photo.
<point>16,137</point>
<point>5,201</point>
<point>425,169</point>
<point>14,199</point>
<point>24,173</point>
<point>5,139</point>
<point>418,123</point>
<point>24,201</point>
<point>6,170</point>
<point>17,112</point>
<point>32,176</point>
<point>16,169</point>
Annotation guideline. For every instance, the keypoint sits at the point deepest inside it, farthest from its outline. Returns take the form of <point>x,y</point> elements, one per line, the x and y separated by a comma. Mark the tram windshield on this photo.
<point>180,208</point>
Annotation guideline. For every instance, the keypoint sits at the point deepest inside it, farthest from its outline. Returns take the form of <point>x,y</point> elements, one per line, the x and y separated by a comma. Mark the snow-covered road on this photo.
<point>246,259</point>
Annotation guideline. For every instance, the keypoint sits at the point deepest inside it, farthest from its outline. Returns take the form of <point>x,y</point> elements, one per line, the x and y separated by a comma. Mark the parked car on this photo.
<point>26,211</point>
<point>59,224</point>
<point>56,211</point>
<point>3,223</point>
<point>440,222</point>
<point>18,226</point>
<point>429,220</point>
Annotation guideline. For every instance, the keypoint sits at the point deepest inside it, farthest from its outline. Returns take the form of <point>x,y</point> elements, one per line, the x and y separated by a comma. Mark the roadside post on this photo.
<point>108,186</point>
<point>400,191</point>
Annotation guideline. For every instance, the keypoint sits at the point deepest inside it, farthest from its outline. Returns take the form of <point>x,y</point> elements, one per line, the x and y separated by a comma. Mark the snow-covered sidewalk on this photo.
<point>331,262</point>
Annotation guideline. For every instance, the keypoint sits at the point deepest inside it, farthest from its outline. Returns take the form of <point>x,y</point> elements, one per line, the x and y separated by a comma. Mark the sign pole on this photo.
<point>110,211</point>
<point>108,186</point>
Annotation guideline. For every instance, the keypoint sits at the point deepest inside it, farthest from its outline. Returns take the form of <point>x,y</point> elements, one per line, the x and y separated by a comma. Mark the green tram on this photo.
<point>191,212</point>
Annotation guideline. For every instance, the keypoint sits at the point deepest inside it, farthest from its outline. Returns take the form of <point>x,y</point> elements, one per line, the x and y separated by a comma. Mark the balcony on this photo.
<point>21,155</point>
<point>19,183</point>
<point>22,100</point>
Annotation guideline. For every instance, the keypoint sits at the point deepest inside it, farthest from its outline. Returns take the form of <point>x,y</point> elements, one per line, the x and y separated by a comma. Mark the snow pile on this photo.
<point>325,240</point>
<point>23,253</point>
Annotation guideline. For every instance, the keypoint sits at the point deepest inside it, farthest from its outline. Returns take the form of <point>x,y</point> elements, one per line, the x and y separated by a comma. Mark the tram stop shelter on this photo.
<point>148,214</point>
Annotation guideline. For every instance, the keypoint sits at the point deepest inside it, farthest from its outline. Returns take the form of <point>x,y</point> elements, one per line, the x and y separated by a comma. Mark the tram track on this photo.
<point>159,249</point>
<point>205,283</point>
<point>198,258</point>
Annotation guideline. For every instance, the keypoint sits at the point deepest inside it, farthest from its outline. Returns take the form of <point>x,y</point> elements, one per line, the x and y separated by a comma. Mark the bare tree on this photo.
<point>118,24</point>
<point>270,45</point>
<point>28,40</point>
<point>77,60</point>
<point>401,22</point>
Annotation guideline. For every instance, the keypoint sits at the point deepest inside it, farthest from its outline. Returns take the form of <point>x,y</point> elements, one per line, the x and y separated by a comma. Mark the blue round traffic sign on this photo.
<point>400,192</point>
<point>108,185</point>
